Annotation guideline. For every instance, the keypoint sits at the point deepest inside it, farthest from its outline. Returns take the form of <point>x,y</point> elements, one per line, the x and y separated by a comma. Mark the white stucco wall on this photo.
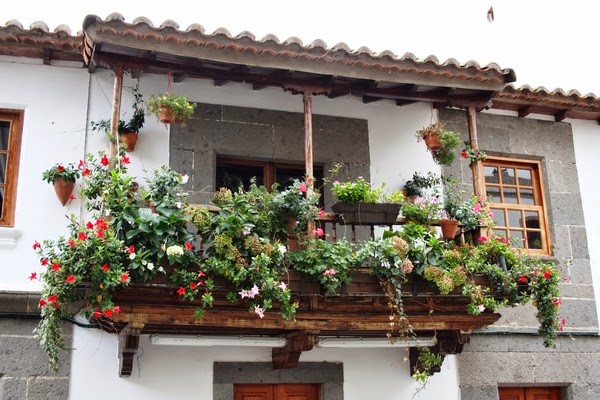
<point>586,137</point>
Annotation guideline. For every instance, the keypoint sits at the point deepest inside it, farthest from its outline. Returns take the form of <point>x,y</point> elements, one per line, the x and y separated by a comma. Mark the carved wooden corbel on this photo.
<point>129,341</point>
<point>297,342</point>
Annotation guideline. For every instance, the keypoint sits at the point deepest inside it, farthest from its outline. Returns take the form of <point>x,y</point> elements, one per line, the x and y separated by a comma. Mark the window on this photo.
<point>288,391</point>
<point>531,393</point>
<point>10,149</point>
<point>516,195</point>
<point>236,173</point>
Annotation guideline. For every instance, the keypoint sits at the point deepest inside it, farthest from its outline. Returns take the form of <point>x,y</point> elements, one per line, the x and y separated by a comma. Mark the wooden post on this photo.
<point>308,139</point>
<point>477,166</point>
<point>117,92</point>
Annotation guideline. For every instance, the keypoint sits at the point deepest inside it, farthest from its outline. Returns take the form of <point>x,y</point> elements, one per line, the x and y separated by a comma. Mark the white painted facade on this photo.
<point>59,103</point>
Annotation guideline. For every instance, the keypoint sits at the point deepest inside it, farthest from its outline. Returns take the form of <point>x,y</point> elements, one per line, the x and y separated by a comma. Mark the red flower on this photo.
<point>60,168</point>
<point>55,267</point>
<point>71,243</point>
<point>97,314</point>
<point>547,274</point>
<point>523,279</point>
<point>42,303</point>
<point>101,224</point>
<point>125,160</point>
<point>89,225</point>
<point>56,305</point>
<point>108,312</point>
<point>464,154</point>
<point>117,309</point>
<point>562,324</point>
<point>36,245</point>
<point>81,164</point>
<point>52,298</point>
<point>104,161</point>
<point>181,291</point>
<point>70,279</point>
<point>86,172</point>
<point>44,262</point>
<point>33,276</point>
<point>482,239</point>
<point>100,234</point>
<point>201,274</point>
<point>193,285</point>
<point>130,249</point>
<point>188,245</point>
<point>124,277</point>
<point>71,198</point>
<point>105,268</point>
<point>81,236</point>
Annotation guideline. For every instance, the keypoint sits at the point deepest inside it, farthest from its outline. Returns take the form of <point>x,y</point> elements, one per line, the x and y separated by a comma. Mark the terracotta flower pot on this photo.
<point>63,189</point>
<point>129,140</point>
<point>433,141</point>
<point>165,115</point>
<point>449,228</point>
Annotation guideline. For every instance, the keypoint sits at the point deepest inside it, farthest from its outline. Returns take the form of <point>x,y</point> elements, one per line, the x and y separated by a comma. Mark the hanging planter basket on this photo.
<point>128,140</point>
<point>433,141</point>
<point>165,115</point>
<point>63,189</point>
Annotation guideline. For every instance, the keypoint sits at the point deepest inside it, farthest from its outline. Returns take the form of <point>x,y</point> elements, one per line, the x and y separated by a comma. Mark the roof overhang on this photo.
<point>262,63</point>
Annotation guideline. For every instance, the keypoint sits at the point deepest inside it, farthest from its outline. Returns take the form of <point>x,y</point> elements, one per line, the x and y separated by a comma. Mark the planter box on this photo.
<point>366,213</point>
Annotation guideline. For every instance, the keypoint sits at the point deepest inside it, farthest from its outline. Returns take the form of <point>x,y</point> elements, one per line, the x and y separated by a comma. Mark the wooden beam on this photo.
<point>259,86</point>
<point>178,78</point>
<point>297,342</point>
<point>129,341</point>
<point>370,99</point>
<point>560,116</point>
<point>402,103</point>
<point>335,95</point>
<point>524,111</point>
<point>220,82</point>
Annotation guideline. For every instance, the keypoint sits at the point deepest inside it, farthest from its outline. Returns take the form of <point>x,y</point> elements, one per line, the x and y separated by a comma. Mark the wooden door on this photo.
<point>541,393</point>
<point>290,391</point>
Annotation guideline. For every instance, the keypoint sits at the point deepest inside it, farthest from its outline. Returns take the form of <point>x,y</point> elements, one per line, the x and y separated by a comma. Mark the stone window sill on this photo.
<point>9,237</point>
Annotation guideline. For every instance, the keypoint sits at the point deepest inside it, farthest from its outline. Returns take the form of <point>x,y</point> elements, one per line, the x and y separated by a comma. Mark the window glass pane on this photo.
<point>498,216</point>
<point>524,177</point>
<point>234,177</point>
<point>516,238</point>
<point>534,240</point>
<point>532,219</point>
<point>491,174</point>
<point>2,190</point>
<point>514,219</point>
<point>500,232</point>
<point>510,195</point>
<point>508,176</point>
<point>4,131</point>
<point>285,176</point>
<point>3,160</point>
<point>493,193</point>
<point>527,197</point>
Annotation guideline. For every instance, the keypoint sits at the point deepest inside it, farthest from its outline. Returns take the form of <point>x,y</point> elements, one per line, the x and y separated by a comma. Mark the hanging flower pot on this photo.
<point>165,115</point>
<point>64,190</point>
<point>432,141</point>
<point>128,140</point>
<point>449,228</point>
<point>169,108</point>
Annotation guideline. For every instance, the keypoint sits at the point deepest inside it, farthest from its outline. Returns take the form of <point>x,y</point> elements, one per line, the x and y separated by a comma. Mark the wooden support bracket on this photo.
<point>297,342</point>
<point>129,340</point>
<point>449,342</point>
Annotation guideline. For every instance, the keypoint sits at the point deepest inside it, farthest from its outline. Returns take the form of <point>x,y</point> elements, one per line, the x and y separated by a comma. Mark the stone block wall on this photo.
<point>217,130</point>
<point>24,372</point>
<point>520,360</point>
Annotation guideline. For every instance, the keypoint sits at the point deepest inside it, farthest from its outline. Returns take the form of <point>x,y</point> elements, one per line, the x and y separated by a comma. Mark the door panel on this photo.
<point>277,392</point>
<point>297,392</point>
<point>253,392</point>
<point>547,393</point>
<point>511,393</point>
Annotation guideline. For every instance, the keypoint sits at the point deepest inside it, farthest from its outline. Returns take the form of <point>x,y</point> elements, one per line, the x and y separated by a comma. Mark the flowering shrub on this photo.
<point>471,154</point>
<point>68,174</point>
<point>424,211</point>
<point>471,213</point>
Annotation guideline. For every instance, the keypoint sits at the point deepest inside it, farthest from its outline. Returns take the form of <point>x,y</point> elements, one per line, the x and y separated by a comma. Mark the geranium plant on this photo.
<point>178,108</point>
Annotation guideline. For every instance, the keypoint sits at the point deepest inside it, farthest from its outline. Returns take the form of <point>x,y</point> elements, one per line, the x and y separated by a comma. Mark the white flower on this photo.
<point>184,179</point>
<point>161,269</point>
<point>259,311</point>
<point>253,292</point>
<point>107,212</point>
<point>282,285</point>
<point>481,307</point>
<point>178,204</point>
<point>282,249</point>
<point>132,256</point>
<point>144,262</point>
<point>175,250</point>
<point>150,266</point>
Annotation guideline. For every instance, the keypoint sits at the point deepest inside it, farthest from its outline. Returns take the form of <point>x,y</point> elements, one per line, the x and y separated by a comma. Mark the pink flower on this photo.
<point>302,188</point>
<point>44,262</point>
<point>477,208</point>
<point>117,309</point>
<point>55,267</point>
<point>318,232</point>
<point>282,286</point>
<point>71,198</point>
<point>329,271</point>
<point>482,239</point>
<point>259,311</point>
<point>481,307</point>
<point>42,303</point>
<point>310,180</point>
<point>81,164</point>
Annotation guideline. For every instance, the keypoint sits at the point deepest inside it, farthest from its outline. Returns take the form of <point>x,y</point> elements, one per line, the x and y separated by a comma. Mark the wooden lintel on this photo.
<point>178,78</point>
<point>524,111</point>
<point>220,82</point>
<point>401,103</point>
<point>129,341</point>
<point>259,86</point>
<point>297,342</point>
<point>370,99</point>
<point>335,95</point>
<point>46,56</point>
<point>560,116</point>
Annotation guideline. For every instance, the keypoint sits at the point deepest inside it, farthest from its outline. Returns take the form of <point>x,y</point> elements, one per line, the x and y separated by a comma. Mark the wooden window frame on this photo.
<point>539,195</point>
<point>13,152</point>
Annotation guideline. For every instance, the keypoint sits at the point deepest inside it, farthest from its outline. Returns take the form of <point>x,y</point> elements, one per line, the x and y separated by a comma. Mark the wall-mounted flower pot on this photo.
<point>129,140</point>
<point>165,115</point>
<point>63,189</point>
<point>449,228</point>
<point>367,213</point>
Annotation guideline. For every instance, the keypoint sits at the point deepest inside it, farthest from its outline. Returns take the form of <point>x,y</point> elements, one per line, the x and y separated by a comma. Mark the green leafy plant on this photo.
<point>449,142</point>
<point>180,108</point>
<point>427,363</point>
<point>361,191</point>
<point>424,210</point>
<point>418,185</point>
<point>68,173</point>
<point>471,154</point>
<point>470,212</point>
<point>135,123</point>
